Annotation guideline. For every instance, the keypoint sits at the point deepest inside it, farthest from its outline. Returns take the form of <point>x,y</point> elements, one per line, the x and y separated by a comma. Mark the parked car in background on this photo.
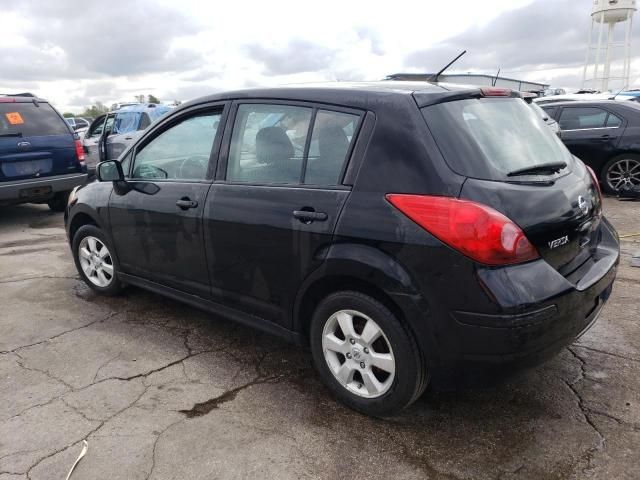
<point>77,122</point>
<point>41,160</point>
<point>605,135</point>
<point>388,227</point>
<point>551,123</point>
<point>583,97</point>
<point>123,126</point>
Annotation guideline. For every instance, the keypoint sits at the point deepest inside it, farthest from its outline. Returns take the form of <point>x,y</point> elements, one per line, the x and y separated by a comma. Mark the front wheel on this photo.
<point>621,172</point>
<point>95,261</point>
<point>365,355</point>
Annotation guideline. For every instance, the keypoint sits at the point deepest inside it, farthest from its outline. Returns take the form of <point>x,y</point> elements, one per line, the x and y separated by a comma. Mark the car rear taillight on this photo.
<point>79,152</point>
<point>7,100</point>
<point>495,92</point>
<point>474,229</point>
<point>595,181</point>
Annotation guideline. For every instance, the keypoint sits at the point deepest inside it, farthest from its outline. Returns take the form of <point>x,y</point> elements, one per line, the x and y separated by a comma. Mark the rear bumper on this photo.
<point>535,313</point>
<point>40,189</point>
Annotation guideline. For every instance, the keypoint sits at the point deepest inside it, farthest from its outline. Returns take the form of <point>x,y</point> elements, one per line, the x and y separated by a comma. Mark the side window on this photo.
<point>551,111</point>
<point>577,118</point>
<point>268,142</point>
<point>613,121</point>
<point>96,129</point>
<point>332,134</point>
<point>180,153</point>
<point>145,121</point>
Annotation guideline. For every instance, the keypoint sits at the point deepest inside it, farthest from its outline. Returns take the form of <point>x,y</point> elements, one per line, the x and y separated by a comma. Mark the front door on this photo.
<point>157,220</point>
<point>270,217</point>
<point>590,133</point>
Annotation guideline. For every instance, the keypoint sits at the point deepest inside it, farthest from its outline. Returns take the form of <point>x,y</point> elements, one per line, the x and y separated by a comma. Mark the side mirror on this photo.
<point>110,171</point>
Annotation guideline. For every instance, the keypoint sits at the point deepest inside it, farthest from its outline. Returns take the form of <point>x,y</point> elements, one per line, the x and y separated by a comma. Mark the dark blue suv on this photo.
<point>41,159</point>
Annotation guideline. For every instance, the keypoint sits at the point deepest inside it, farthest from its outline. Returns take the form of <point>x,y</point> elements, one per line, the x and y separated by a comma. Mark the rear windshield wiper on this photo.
<point>17,134</point>
<point>551,167</point>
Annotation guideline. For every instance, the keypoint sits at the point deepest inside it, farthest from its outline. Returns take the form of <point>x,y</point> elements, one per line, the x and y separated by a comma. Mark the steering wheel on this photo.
<point>194,167</point>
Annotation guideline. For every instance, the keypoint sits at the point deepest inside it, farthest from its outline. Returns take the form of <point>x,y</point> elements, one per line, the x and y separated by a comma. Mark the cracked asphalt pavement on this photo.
<point>163,391</point>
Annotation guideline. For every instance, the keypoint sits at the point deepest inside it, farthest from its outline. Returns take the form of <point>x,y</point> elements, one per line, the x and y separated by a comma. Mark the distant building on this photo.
<point>473,79</point>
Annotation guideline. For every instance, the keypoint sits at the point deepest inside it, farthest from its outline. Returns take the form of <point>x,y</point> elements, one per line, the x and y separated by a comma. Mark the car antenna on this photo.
<point>495,79</point>
<point>434,78</point>
<point>614,97</point>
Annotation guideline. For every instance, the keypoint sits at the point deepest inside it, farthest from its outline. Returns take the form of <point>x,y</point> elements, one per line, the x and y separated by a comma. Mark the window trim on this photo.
<point>169,122</point>
<point>606,119</point>
<point>223,157</point>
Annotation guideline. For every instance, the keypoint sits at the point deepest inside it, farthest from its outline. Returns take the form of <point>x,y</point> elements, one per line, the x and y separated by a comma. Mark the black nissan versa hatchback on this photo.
<point>407,233</point>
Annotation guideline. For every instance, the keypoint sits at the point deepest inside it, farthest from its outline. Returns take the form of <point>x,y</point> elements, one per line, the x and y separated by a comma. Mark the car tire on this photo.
<point>618,167</point>
<point>97,267</point>
<point>375,377</point>
<point>59,202</point>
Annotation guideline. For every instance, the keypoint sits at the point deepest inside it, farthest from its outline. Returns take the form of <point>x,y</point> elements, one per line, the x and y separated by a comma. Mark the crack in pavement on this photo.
<point>95,377</point>
<point>155,444</point>
<point>604,352</point>
<point>40,277</point>
<point>109,316</point>
<point>586,413</point>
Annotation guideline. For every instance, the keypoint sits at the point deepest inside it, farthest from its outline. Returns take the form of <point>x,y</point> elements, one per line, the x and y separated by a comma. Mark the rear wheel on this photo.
<point>621,172</point>
<point>59,201</point>
<point>365,355</point>
<point>95,261</point>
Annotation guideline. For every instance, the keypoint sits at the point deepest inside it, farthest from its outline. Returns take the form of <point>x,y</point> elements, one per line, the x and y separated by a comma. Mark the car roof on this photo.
<point>23,97</point>
<point>343,93</point>
<point>142,107</point>
<point>588,103</point>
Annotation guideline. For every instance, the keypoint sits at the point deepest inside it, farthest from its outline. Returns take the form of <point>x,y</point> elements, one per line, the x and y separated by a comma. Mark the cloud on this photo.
<point>544,35</point>
<point>296,57</point>
<point>68,40</point>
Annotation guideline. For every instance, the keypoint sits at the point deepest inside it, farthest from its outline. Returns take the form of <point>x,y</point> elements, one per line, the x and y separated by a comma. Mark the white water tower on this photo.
<point>605,48</point>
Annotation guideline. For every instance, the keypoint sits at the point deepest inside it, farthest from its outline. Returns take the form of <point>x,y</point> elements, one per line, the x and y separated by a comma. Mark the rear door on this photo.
<point>271,213</point>
<point>590,133</point>
<point>156,222</point>
<point>35,141</point>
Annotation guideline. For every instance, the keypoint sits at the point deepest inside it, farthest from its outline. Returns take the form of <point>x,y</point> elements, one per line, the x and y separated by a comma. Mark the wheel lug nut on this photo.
<point>352,341</point>
<point>366,350</point>
<point>348,355</point>
<point>361,364</point>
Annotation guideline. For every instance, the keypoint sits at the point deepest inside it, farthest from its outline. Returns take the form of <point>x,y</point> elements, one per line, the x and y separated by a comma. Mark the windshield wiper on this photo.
<point>17,134</point>
<point>551,167</point>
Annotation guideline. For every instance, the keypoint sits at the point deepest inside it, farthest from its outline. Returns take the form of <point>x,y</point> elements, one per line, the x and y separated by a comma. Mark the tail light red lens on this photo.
<point>79,152</point>
<point>596,182</point>
<point>495,92</point>
<point>474,229</point>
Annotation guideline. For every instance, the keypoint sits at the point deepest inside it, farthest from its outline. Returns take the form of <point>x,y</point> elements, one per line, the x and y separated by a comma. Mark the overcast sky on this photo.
<point>77,53</point>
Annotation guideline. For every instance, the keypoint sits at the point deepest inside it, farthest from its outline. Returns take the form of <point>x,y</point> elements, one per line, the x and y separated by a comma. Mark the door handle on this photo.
<point>308,216</point>
<point>185,203</point>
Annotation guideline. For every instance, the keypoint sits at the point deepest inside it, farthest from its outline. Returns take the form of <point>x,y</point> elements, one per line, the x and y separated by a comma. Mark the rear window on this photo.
<point>488,138</point>
<point>31,120</point>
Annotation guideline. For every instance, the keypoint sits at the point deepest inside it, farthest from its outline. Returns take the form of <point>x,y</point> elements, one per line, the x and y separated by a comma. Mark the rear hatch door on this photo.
<point>515,164</point>
<point>35,142</point>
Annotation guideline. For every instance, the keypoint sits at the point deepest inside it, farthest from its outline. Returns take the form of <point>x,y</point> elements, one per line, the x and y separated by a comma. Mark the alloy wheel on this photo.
<point>96,262</point>
<point>358,353</point>
<point>624,172</point>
